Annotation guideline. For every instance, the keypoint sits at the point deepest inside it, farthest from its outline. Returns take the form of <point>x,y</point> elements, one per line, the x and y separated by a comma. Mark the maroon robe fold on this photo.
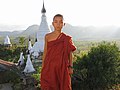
<point>55,75</point>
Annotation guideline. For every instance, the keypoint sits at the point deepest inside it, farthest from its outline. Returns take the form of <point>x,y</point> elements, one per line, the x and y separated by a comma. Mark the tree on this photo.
<point>21,40</point>
<point>12,54</point>
<point>5,54</point>
<point>100,68</point>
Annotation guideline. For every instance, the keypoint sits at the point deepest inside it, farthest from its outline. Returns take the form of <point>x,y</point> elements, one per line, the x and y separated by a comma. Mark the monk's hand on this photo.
<point>70,69</point>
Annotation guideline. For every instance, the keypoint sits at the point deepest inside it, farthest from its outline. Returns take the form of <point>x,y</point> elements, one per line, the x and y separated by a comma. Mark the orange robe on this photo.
<point>55,75</point>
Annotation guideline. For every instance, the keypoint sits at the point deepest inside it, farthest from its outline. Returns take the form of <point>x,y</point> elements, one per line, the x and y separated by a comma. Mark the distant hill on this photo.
<point>77,32</point>
<point>13,34</point>
<point>30,31</point>
<point>92,33</point>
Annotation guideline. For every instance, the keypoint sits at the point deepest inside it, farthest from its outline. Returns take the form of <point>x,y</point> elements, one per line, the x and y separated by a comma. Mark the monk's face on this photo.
<point>58,23</point>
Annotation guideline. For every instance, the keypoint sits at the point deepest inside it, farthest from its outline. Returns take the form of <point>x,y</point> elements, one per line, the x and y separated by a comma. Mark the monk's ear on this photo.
<point>64,24</point>
<point>52,23</point>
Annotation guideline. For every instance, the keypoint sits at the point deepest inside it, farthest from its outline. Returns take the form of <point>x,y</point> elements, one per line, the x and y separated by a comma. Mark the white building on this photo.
<point>35,51</point>
<point>29,66</point>
<point>21,59</point>
<point>38,47</point>
<point>7,41</point>
<point>29,44</point>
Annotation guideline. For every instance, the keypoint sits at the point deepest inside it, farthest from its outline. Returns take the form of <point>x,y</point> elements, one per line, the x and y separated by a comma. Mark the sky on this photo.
<point>75,12</point>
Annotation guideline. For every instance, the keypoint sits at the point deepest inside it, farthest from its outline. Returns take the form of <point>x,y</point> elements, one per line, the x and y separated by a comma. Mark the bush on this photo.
<point>37,76</point>
<point>11,54</point>
<point>100,68</point>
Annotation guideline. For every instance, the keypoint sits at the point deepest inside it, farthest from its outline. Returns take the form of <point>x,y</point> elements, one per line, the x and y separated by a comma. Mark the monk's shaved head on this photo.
<point>57,15</point>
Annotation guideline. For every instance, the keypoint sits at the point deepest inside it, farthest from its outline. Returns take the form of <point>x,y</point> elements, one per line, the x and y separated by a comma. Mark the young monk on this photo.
<point>57,58</point>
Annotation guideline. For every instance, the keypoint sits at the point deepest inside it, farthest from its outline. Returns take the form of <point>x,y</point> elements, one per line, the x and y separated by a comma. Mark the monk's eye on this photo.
<point>61,22</point>
<point>55,21</point>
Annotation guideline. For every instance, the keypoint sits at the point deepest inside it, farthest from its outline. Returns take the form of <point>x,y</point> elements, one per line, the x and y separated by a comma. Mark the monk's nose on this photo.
<point>58,24</point>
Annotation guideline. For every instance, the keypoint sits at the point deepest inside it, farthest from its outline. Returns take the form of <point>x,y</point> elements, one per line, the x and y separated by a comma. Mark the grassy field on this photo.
<point>84,46</point>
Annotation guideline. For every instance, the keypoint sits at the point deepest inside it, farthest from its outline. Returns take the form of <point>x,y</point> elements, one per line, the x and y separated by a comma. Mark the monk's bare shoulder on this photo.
<point>48,35</point>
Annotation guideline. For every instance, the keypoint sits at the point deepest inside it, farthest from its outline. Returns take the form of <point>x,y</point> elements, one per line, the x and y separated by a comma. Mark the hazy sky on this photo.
<point>76,12</point>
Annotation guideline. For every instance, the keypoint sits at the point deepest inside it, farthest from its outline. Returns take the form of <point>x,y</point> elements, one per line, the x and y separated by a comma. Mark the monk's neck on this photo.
<point>57,32</point>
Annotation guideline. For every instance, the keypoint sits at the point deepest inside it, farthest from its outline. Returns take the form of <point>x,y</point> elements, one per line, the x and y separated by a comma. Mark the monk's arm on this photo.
<point>45,51</point>
<point>71,59</point>
<point>70,67</point>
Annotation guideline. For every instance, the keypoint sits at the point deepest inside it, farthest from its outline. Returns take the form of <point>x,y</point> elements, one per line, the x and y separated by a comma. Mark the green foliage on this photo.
<point>37,76</point>
<point>12,54</point>
<point>5,53</point>
<point>100,68</point>
<point>21,40</point>
<point>16,53</point>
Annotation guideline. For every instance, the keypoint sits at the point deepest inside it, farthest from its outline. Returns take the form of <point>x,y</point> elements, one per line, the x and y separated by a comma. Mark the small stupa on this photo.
<point>7,41</point>
<point>29,46</point>
<point>29,66</point>
<point>35,51</point>
<point>21,59</point>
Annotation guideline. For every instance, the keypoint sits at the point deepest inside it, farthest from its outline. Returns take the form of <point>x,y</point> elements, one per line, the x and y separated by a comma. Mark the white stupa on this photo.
<point>35,51</point>
<point>43,30</point>
<point>29,46</point>
<point>38,46</point>
<point>21,59</point>
<point>7,41</point>
<point>29,66</point>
